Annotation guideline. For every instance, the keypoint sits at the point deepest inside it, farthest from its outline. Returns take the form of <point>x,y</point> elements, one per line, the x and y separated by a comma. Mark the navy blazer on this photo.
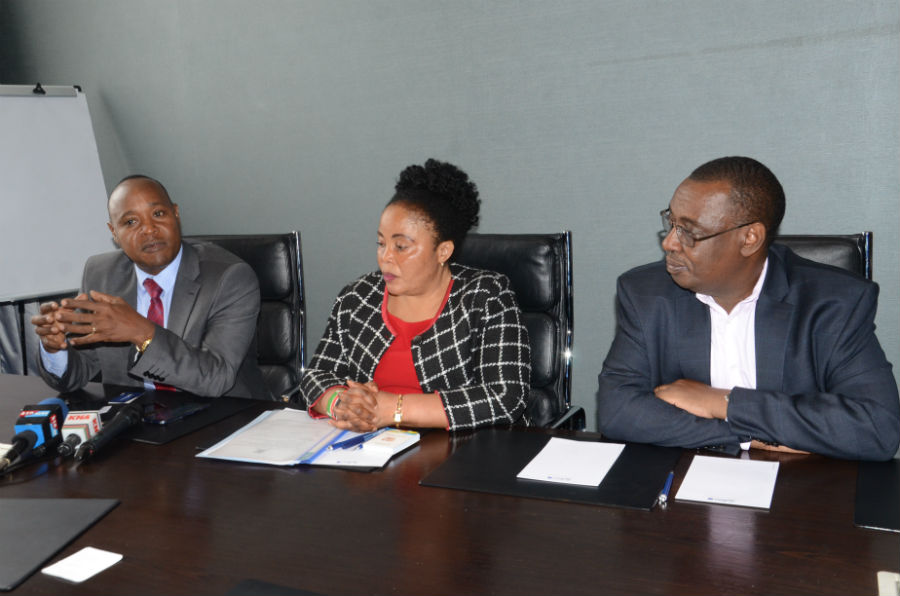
<point>823,383</point>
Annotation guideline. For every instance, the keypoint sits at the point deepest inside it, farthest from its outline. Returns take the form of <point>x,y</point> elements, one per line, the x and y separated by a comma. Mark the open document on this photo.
<point>743,482</point>
<point>289,437</point>
<point>572,462</point>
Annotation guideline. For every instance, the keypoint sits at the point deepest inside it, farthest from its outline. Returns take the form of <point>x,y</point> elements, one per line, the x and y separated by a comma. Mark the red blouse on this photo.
<point>396,372</point>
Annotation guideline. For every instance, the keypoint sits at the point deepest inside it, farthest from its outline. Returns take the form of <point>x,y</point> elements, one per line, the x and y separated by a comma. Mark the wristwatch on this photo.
<point>398,413</point>
<point>144,345</point>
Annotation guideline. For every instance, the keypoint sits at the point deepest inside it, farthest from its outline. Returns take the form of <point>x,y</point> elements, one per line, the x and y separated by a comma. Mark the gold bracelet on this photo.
<point>398,413</point>
<point>144,345</point>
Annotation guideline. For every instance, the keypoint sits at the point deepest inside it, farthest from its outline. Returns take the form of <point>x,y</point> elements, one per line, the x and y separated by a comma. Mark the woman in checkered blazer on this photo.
<point>423,341</point>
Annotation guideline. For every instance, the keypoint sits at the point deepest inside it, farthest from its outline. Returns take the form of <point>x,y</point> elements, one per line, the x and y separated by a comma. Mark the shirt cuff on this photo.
<point>55,363</point>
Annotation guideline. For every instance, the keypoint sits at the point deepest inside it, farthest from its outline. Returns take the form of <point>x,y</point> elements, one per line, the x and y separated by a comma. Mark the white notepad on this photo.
<point>572,462</point>
<point>726,481</point>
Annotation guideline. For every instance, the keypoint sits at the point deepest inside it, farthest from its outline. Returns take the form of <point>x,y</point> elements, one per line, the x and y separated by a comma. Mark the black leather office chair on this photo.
<point>539,267</point>
<point>281,328</point>
<point>852,252</point>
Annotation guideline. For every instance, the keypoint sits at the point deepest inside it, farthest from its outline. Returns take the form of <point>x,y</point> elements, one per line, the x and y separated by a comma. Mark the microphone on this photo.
<point>37,429</point>
<point>127,416</point>
<point>78,428</point>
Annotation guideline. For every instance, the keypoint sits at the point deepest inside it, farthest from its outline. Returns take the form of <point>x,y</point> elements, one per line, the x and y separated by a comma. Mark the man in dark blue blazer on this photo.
<point>732,340</point>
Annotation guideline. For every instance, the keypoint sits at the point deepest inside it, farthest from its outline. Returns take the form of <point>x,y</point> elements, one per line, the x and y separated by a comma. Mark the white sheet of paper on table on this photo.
<point>566,461</point>
<point>743,482</point>
<point>276,437</point>
<point>888,583</point>
<point>84,564</point>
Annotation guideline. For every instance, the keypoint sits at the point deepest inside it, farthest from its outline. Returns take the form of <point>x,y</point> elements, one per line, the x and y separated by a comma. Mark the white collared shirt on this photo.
<point>165,279</point>
<point>57,362</point>
<point>732,340</point>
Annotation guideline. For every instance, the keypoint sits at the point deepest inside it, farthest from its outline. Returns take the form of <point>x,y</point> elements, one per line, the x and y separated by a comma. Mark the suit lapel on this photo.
<point>123,283</point>
<point>772,322</point>
<point>187,287</point>
<point>693,332</point>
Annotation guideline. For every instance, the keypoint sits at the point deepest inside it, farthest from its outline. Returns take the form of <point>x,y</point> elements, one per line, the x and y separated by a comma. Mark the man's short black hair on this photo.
<point>755,191</point>
<point>142,177</point>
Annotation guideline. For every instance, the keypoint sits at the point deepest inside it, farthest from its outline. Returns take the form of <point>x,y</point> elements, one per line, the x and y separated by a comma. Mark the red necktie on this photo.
<point>155,315</point>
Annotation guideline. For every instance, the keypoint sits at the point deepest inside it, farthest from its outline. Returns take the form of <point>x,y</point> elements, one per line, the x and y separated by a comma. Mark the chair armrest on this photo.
<point>289,395</point>
<point>573,419</point>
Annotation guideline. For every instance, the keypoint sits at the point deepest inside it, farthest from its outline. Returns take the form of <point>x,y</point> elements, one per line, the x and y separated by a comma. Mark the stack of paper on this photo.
<point>290,437</point>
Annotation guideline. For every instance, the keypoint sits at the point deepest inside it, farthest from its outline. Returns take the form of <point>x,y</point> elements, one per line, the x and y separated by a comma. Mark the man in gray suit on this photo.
<point>734,340</point>
<point>159,313</point>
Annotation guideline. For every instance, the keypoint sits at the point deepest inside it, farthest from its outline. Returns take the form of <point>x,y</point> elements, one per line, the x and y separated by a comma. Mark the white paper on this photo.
<point>888,583</point>
<point>84,564</point>
<point>277,437</point>
<point>289,437</point>
<point>747,483</point>
<point>572,462</point>
<point>374,453</point>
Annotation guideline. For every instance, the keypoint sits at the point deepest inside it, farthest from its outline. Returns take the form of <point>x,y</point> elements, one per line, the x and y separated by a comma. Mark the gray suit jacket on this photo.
<point>822,381</point>
<point>209,347</point>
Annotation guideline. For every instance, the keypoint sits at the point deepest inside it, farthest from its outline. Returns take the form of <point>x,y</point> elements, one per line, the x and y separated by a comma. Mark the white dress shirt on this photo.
<point>732,340</point>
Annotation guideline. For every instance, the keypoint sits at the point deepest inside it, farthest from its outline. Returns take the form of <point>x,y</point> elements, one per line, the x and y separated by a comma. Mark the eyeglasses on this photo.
<point>685,237</point>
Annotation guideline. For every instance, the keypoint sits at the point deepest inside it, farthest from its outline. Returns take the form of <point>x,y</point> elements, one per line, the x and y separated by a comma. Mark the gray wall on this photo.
<point>286,114</point>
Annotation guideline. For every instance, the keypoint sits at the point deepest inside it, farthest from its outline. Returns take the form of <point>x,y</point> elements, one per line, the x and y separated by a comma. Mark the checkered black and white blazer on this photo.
<point>476,355</point>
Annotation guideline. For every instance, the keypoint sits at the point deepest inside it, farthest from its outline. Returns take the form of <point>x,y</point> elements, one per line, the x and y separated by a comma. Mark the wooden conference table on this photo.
<point>192,526</point>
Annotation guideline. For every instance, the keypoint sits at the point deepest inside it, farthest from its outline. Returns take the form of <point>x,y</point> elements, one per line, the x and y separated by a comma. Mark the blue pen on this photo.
<point>664,495</point>
<point>356,440</point>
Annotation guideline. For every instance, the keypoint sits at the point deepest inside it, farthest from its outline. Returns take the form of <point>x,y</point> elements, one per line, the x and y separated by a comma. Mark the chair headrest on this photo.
<point>843,251</point>
<point>531,262</point>
<point>270,257</point>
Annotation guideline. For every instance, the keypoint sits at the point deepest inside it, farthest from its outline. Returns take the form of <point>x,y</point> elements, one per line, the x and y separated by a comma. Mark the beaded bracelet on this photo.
<point>332,404</point>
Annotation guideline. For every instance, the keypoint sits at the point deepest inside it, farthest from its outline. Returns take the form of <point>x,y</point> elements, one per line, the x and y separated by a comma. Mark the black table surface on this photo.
<point>187,525</point>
